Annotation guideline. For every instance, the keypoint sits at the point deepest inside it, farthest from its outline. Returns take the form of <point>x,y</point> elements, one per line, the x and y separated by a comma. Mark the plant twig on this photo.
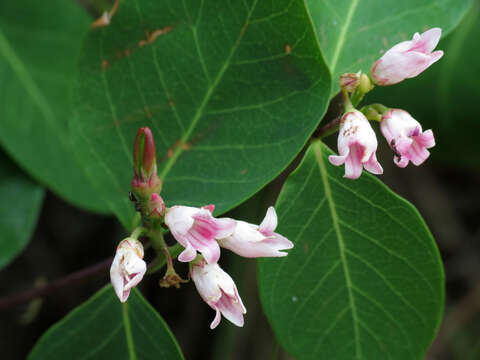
<point>56,285</point>
<point>329,128</point>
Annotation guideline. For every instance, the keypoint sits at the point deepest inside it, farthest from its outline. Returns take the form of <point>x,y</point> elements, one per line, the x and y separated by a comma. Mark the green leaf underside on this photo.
<point>353,34</point>
<point>452,86</point>
<point>364,280</point>
<point>39,45</point>
<point>19,210</point>
<point>104,328</point>
<point>231,90</point>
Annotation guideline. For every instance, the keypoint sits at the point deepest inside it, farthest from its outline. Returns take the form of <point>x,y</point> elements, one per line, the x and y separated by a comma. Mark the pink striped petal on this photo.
<point>269,223</point>
<point>373,166</point>
<point>353,163</point>
<point>408,58</point>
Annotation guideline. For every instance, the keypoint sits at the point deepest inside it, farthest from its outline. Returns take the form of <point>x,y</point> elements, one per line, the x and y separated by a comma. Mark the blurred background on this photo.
<point>446,190</point>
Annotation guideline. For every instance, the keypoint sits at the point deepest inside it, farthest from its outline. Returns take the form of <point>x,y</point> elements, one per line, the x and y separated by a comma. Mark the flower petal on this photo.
<point>216,320</point>
<point>426,139</point>
<point>188,254</point>
<point>269,223</point>
<point>373,166</point>
<point>353,165</point>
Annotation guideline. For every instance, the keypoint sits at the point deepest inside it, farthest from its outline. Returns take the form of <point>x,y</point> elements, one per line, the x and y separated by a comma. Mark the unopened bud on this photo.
<point>365,84</point>
<point>145,179</point>
<point>349,81</point>
<point>156,206</point>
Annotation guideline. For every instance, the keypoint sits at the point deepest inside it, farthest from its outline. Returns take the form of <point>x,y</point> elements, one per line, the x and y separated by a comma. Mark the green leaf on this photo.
<point>364,280</point>
<point>104,328</point>
<point>39,46</point>
<point>231,90</point>
<point>453,91</point>
<point>353,34</point>
<point>19,209</point>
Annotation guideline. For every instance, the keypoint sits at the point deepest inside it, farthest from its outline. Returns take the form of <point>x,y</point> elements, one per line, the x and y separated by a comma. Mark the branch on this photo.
<point>328,129</point>
<point>72,279</point>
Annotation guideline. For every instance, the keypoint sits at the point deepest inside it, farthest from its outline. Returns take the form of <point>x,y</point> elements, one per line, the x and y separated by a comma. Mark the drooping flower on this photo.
<point>357,144</point>
<point>218,290</point>
<point>249,240</point>
<point>127,268</point>
<point>196,229</point>
<point>408,58</point>
<point>405,137</point>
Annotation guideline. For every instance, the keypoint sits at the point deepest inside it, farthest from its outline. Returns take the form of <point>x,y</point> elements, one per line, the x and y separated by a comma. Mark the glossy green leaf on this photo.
<point>231,89</point>
<point>364,280</point>
<point>452,90</point>
<point>19,209</point>
<point>103,328</point>
<point>39,46</point>
<point>353,34</point>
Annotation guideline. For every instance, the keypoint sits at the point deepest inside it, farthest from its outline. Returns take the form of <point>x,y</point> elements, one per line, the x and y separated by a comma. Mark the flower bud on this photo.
<point>365,84</point>
<point>156,206</point>
<point>349,81</point>
<point>145,179</point>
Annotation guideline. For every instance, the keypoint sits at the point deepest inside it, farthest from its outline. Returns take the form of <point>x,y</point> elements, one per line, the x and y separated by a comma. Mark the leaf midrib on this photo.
<point>184,139</point>
<point>128,332</point>
<point>343,35</point>
<point>341,245</point>
<point>23,75</point>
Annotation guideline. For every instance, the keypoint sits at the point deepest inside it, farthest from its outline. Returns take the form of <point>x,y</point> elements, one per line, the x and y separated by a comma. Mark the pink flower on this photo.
<point>196,229</point>
<point>408,58</point>
<point>127,268</point>
<point>251,240</point>
<point>404,135</point>
<point>357,144</point>
<point>218,290</point>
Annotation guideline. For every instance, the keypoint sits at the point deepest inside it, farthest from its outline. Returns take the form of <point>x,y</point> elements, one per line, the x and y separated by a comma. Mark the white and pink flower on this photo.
<point>357,144</point>
<point>218,290</point>
<point>408,58</point>
<point>249,240</point>
<point>196,230</point>
<point>405,137</point>
<point>127,268</point>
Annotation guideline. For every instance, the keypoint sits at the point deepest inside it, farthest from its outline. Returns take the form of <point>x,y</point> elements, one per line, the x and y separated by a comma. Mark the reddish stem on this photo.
<point>71,279</point>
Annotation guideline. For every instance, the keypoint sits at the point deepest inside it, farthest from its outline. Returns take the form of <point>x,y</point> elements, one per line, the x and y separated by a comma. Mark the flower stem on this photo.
<point>137,232</point>
<point>329,128</point>
<point>56,285</point>
<point>161,260</point>
<point>347,104</point>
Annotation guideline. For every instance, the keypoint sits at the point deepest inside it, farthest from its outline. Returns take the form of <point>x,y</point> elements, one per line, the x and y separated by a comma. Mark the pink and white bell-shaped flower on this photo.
<point>196,229</point>
<point>357,144</point>
<point>408,58</point>
<point>249,240</point>
<point>127,268</point>
<point>218,290</point>
<point>405,137</point>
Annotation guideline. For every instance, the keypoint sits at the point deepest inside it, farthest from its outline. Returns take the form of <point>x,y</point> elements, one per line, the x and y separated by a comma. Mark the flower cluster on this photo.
<point>357,142</point>
<point>198,232</point>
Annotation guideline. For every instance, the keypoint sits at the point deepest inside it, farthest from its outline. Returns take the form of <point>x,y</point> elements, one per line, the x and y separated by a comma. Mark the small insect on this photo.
<point>133,199</point>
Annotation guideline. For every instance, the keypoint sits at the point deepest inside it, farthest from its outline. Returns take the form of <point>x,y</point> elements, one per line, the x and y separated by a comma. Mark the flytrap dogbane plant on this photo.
<point>357,142</point>
<point>197,231</point>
